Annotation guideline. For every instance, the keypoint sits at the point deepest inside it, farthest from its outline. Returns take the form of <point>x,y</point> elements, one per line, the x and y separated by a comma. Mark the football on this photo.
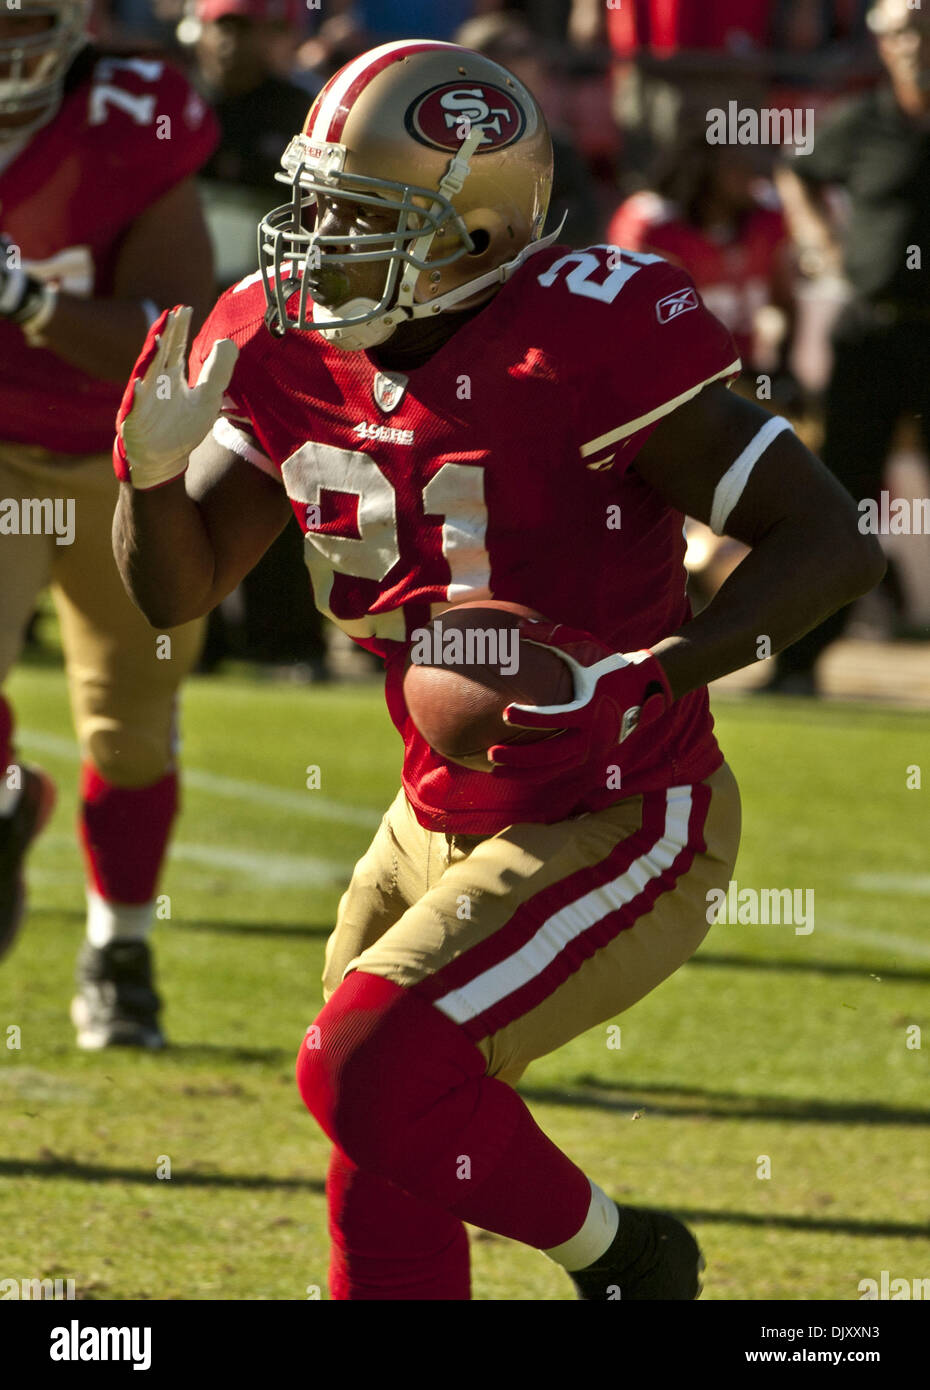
<point>467,666</point>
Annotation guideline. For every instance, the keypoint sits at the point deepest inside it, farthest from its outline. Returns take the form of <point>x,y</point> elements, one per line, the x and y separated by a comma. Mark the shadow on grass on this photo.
<point>59,1166</point>
<point>56,1168</point>
<point>263,929</point>
<point>321,930</point>
<point>223,927</point>
<point>838,1225</point>
<point>311,930</point>
<point>810,967</point>
<point>742,1108</point>
<point>216,1052</point>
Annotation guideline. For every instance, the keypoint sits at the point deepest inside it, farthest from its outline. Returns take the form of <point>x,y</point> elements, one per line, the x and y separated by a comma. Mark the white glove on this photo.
<point>161,419</point>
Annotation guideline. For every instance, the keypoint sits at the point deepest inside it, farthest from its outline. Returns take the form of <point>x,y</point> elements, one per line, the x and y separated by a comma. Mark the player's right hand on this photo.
<point>161,419</point>
<point>616,694</point>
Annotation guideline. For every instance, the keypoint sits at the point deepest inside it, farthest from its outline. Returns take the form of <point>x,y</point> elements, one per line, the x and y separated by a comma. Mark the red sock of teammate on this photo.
<point>125,832</point>
<point>389,1245</point>
<point>398,1087</point>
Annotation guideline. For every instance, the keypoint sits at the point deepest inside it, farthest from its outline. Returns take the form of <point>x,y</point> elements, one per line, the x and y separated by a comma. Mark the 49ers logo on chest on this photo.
<point>445,115</point>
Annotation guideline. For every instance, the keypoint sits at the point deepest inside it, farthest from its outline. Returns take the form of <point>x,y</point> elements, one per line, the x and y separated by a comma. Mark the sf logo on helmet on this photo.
<point>439,117</point>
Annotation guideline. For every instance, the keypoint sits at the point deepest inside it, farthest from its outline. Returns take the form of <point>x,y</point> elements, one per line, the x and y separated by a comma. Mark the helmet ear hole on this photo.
<point>482,240</point>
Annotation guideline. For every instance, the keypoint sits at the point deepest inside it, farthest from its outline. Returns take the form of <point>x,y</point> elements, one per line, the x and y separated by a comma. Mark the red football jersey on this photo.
<point>499,468</point>
<point>126,133</point>
<point>670,26</point>
<point>734,278</point>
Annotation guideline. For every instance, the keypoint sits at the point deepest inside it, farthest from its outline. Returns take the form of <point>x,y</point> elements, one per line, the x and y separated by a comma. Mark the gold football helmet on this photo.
<point>448,143</point>
<point>34,62</point>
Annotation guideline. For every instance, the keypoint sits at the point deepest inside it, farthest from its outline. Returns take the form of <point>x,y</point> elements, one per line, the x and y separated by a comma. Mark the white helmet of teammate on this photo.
<point>35,57</point>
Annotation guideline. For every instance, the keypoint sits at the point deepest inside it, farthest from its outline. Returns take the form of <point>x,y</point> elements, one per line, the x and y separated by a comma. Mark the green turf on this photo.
<point>769,1043</point>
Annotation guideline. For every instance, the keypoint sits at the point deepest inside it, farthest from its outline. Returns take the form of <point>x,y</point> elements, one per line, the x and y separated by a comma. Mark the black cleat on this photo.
<point>117,1005</point>
<point>17,832</point>
<point>653,1257</point>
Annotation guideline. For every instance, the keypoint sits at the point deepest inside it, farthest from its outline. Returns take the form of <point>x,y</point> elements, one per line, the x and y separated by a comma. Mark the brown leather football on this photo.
<point>467,666</point>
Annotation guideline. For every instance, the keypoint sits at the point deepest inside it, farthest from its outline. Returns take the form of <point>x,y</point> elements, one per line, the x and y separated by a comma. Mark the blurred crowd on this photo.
<point>799,243</point>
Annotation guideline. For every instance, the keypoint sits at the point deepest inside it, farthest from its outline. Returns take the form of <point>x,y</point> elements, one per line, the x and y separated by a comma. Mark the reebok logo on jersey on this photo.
<point>674,305</point>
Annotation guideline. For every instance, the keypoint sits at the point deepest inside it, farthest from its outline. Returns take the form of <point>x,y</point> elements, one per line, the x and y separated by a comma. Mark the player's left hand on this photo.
<point>161,419</point>
<point>615,695</point>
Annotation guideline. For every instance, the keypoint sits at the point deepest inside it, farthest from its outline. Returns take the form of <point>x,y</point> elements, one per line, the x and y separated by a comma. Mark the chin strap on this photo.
<point>373,334</point>
<point>500,276</point>
<point>453,181</point>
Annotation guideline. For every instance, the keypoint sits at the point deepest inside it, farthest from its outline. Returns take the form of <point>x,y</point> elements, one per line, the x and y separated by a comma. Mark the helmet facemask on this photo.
<point>291,255</point>
<point>453,154</point>
<point>33,67</point>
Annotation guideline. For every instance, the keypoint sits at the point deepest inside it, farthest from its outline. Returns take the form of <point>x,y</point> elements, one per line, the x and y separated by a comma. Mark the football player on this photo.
<point>456,406</point>
<point>97,157</point>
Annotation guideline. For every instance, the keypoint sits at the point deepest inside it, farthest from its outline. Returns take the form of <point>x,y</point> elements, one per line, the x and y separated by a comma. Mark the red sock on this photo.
<point>400,1089</point>
<point>389,1245</point>
<point>124,832</point>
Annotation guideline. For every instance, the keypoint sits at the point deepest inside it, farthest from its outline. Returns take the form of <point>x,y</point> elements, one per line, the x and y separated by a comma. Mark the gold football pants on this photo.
<point>530,937</point>
<point>122,680</point>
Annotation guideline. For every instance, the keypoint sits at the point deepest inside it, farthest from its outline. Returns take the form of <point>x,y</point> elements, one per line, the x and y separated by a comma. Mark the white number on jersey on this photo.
<point>455,496</point>
<point>622,266</point>
<point>104,93</point>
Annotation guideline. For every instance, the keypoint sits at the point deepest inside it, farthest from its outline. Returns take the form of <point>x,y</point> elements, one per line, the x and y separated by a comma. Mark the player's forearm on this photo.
<point>164,553</point>
<point>101,336</point>
<point>793,579</point>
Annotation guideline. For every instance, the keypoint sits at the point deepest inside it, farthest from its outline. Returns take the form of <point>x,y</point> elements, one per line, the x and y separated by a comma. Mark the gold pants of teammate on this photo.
<point>122,682</point>
<point>530,937</point>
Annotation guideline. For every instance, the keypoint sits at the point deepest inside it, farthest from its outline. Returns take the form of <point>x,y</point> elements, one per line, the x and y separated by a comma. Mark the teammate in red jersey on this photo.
<point>97,197</point>
<point>708,217</point>
<point>457,407</point>
<point>708,213</point>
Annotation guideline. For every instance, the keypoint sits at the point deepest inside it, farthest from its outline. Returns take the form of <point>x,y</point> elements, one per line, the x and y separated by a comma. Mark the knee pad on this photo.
<point>126,757</point>
<point>373,1066</point>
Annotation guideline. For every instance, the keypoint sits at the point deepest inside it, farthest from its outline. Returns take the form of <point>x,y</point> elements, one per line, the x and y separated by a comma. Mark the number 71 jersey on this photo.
<point>500,468</point>
<point>128,131</point>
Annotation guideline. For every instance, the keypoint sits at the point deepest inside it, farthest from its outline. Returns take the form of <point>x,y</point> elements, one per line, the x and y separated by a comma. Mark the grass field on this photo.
<point>770,1043</point>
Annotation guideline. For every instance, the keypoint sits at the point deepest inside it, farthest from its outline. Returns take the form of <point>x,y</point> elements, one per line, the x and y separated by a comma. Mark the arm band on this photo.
<point>733,483</point>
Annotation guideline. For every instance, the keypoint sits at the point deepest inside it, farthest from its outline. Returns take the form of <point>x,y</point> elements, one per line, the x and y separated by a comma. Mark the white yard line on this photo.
<point>916,884</point>
<point>889,943</point>
<point>272,867</point>
<point>305,803</point>
<point>282,870</point>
